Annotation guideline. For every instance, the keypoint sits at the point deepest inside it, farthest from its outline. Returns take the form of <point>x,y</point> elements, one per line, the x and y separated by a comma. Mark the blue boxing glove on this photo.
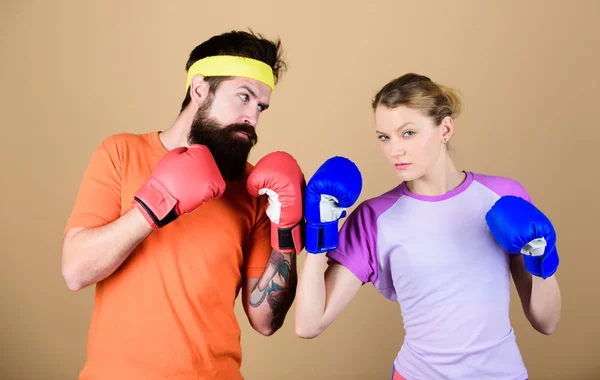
<point>519,227</point>
<point>333,188</point>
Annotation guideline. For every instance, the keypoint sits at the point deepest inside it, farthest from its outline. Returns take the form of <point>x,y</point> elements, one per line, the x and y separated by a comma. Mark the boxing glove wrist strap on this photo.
<point>151,217</point>
<point>321,237</point>
<point>156,204</point>
<point>290,239</point>
<point>542,266</point>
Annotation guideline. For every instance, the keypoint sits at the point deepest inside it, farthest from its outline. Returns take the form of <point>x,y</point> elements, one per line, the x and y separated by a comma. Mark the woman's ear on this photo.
<point>446,129</point>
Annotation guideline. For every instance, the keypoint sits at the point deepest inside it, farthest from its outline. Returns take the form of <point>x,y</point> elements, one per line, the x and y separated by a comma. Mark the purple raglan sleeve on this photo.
<point>504,186</point>
<point>357,249</point>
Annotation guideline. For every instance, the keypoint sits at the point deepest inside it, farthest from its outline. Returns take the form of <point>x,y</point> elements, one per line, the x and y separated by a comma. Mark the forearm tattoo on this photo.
<point>277,285</point>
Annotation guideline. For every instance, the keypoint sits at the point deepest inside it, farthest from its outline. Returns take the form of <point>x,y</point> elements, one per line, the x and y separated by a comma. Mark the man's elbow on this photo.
<point>265,330</point>
<point>70,268</point>
<point>71,276</point>
<point>71,280</point>
<point>74,287</point>
<point>264,326</point>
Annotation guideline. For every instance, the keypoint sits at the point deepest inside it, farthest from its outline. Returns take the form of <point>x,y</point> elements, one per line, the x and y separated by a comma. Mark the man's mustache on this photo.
<point>248,130</point>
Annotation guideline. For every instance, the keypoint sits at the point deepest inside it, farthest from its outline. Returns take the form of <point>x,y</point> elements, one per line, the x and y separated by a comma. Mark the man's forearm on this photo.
<point>275,290</point>
<point>92,254</point>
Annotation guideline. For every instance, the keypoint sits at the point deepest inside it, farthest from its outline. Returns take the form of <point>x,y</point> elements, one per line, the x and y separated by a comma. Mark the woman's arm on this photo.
<point>322,295</point>
<point>540,298</point>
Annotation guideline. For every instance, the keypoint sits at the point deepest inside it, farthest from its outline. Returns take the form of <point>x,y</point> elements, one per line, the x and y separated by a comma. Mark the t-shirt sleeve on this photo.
<point>98,200</point>
<point>505,186</point>
<point>357,244</point>
<point>257,249</point>
<point>517,189</point>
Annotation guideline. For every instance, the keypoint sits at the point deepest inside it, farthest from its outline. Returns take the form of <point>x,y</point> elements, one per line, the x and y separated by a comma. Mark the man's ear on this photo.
<point>198,89</point>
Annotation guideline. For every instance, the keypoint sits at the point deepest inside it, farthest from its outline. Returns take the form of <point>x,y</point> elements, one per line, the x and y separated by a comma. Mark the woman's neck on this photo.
<point>443,178</point>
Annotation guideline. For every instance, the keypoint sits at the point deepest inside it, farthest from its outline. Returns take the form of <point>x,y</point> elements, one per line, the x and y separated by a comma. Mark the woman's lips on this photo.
<point>401,166</point>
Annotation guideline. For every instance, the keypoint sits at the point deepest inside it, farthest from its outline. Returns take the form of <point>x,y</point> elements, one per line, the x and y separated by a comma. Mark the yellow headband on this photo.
<point>228,65</point>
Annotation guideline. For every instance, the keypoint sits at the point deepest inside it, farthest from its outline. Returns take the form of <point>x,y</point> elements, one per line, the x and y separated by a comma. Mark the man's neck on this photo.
<point>177,134</point>
<point>444,177</point>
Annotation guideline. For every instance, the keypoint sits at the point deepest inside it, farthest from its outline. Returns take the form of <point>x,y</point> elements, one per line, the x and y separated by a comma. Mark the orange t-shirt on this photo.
<point>168,311</point>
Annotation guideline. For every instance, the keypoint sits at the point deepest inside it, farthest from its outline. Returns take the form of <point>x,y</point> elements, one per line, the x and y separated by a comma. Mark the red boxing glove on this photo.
<point>182,180</point>
<point>279,176</point>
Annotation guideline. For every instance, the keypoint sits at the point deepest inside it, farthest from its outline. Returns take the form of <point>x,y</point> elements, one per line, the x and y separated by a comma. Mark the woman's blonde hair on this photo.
<point>419,92</point>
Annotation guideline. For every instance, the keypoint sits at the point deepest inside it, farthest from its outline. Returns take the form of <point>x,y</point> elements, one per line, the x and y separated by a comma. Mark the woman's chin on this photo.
<point>406,174</point>
<point>408,177</point>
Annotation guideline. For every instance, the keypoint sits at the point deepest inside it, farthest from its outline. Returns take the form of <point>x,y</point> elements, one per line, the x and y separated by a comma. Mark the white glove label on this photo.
<point>536,247</point>
<point>330,211</point>
<point>274,209</point>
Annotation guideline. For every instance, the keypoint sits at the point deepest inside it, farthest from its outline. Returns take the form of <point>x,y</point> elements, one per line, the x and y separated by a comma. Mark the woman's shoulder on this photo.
<point>501,185</point>
<point>377,205</point>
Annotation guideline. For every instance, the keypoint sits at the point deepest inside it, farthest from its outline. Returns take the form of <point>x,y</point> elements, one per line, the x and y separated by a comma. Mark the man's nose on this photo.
<point>251,118</point>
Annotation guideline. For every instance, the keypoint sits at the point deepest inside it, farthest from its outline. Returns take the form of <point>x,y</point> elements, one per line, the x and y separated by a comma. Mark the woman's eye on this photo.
<point>408,133</point>
<point>244,97</point>
<point>382,137</point>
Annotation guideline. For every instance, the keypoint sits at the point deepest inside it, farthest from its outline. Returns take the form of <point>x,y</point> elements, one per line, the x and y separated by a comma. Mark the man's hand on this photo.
<point>279,176</point>
<point>181,181</point>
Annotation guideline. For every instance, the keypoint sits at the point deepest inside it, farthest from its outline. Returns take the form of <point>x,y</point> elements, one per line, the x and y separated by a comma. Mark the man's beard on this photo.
<point>229,149</point>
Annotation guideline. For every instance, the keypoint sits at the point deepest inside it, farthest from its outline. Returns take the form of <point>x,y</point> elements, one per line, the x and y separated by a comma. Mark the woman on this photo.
<point>443,244</point>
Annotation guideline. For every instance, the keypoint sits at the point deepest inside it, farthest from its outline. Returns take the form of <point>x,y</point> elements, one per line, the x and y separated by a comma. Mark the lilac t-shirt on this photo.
<point>436,257</point>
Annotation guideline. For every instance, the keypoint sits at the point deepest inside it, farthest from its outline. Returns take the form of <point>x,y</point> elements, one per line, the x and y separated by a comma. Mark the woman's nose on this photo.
<point>398,149</point>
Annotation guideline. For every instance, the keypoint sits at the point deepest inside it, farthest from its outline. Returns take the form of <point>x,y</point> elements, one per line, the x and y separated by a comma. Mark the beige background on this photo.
<point>74,72</point>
